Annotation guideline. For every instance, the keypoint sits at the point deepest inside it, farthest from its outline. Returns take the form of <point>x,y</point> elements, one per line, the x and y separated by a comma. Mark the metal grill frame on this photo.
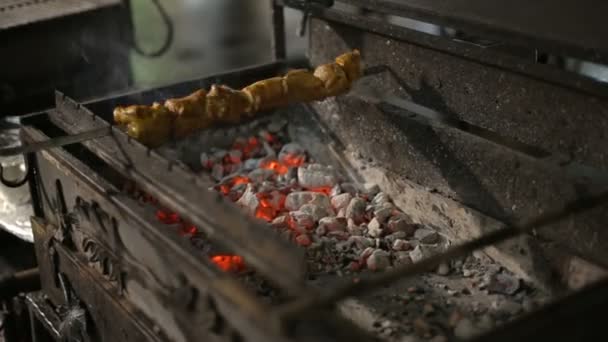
<point>310,312</point>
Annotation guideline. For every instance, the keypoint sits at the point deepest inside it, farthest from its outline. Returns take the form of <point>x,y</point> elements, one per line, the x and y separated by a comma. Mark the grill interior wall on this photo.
<point>476,185</point>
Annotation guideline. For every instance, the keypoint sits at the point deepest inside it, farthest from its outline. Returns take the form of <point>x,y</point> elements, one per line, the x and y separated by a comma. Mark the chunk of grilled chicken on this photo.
<point>182,116</point>
<point>190,113</point>
<point>151,125</point>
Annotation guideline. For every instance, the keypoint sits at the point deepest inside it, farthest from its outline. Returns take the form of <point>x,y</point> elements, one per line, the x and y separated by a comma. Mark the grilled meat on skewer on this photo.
<point>177,118</point>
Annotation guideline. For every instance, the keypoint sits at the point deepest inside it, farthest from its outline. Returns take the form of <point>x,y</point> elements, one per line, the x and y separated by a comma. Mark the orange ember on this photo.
<point>275,166</point>
<point>293,160</point>
<point>269,137</point>
<point>225,189</point>
<point>266,210</point>
<point>265,213</point>
<point>229,263</point>
<point>240,180</point>
<point>322,189</point>
<point>188,230</point>
<point>167,217</point>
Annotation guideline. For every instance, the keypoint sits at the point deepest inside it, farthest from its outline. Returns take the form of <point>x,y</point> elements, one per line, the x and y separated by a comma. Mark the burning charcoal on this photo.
<point>217,172</point>
<point>335,191</point>
<point>288,176</point>
<point>333,223</point>
<point>315,211</point>
<point>503,284</point>
<point>266,186</point>
<point>206,161</point>
<point>383,214</point>
<point>315,176</point>
<point>356,210</point>
<point>341,201</point>
<point>251,164</point>
<point>280,222</point>
<point>295,200</point>
<point>401,245</point>
<point>232,168</point>
<point>301,221</point>
<point>402,258</point>
<point>401,223</point>
<point>235,156</point>
<point>361,242</point>
<point>426,235</point>
<point>303,240</point>
<point>249,200</point>
<point>268,151</point>
<point>371,189</point>
<point>260,175</point>
<point>379,260</point>
<point>374,229</point>
<point>291,149</point>
<point>219,154</point>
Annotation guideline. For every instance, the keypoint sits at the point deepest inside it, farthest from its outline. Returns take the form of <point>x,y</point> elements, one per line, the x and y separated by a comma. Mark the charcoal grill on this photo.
<point>123,276</point>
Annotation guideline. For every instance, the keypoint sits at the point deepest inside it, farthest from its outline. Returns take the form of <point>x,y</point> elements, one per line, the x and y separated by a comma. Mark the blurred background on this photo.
<point>210,36</point>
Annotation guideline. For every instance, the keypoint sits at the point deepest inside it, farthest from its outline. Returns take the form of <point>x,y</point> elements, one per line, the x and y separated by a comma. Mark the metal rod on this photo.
<point>369,284</point>
<point>55,142</point>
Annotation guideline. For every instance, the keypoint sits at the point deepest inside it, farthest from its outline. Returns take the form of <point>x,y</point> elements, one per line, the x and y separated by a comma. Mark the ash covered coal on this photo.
<point>351,232</point>
<point>344,228</point>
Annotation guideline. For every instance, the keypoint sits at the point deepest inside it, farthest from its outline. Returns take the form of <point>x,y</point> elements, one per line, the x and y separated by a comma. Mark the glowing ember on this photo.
<point>322,189</point>
<point>293,160</point>
<point>225,189</point>
<point>188,230</point>
<point>167,217</point>
<point>265,213</point>
<point>240,180</point>
<point>275,166</point>
<point>269,137</point>
<point>229,263</point>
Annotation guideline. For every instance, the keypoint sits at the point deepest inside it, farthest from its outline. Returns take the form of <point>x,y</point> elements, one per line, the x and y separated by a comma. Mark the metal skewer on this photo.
<point>55,142</point>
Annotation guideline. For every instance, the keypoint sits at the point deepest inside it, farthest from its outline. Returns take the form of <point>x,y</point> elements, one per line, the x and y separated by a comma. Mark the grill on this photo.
<point>129,239</point>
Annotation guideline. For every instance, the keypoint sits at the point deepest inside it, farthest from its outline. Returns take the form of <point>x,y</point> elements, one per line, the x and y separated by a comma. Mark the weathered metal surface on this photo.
<point>551,117</point>
<point>86,53</point>
<point>134,258</point>
<point>485,176</point>
<point>106,310</point>
<point>142,271</point>
<point>14,13</point>
<point>507,58</point>
<point>578,317</point>
<point>15,203</point>
<point>573,28</point>
<point>162,178</point>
